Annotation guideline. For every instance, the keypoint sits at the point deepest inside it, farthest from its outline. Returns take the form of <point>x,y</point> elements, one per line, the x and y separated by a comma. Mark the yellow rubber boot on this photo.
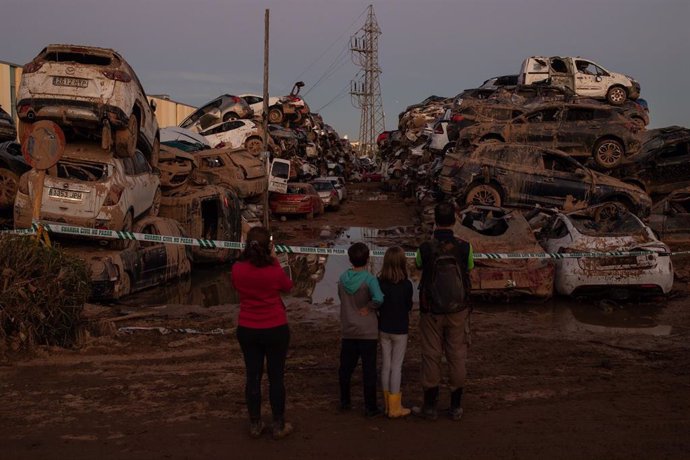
<point>386,402</point>
<point>395,407</point>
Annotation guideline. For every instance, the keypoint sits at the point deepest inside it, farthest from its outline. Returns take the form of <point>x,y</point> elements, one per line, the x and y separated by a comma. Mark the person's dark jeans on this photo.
<point>257,345</point>
<point>350,352</point>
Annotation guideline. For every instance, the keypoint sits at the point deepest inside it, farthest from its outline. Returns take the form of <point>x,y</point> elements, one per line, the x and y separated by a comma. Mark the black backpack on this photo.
<point>446,290</point>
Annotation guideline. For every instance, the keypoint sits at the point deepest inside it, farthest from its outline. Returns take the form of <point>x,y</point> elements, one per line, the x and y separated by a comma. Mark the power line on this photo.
<point>339,61</point>
<point>341,94</point>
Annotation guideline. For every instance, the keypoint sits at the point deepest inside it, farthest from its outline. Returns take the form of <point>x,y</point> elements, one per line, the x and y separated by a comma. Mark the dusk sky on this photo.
<point>195,50</point>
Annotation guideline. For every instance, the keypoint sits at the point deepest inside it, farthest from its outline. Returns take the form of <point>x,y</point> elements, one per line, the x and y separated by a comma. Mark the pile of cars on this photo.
<point>119,171</point>
<point>564,135</point>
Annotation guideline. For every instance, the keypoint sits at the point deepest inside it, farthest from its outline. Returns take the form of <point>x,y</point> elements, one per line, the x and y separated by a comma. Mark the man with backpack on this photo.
<point>444,323</point>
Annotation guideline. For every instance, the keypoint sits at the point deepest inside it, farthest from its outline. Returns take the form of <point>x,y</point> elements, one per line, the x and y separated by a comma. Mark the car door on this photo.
<point>153,257</point>
<point>669,169</point>
<point>539,127</point>
<point>589,79</point>
<point>142,184</point>
<point>579,129</point>
<point>561,180</point>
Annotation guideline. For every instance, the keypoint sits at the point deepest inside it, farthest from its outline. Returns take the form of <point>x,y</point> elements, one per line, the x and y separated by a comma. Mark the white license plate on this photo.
<point>72,195</point>
<point>71,82</point>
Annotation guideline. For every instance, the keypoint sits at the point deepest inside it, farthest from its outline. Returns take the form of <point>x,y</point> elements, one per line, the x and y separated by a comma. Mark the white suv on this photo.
<point>85,87</point>
<point>235,134</point>
<point>92,188</point>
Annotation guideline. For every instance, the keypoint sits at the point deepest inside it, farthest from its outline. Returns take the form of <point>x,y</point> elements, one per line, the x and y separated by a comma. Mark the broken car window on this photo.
<point>622,224</point>
<point>544,116</point>
<point>89,172</point>
<point>79,58</point>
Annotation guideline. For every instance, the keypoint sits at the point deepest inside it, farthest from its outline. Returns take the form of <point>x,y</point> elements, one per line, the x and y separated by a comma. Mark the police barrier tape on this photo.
<point>283,248</point>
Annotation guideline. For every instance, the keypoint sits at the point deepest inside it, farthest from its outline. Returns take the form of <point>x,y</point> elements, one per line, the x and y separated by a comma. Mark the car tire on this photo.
<point>275,115</point>
<point>616,95</point>
<point>9,184</point>
<point>254,145</point>
<point>126,139</point>
<point>155,208</point>
<point>485,195</point>
<point>229,116</point>
<point>608,153</point>
<point>608,210</point>
<point>127,225</point>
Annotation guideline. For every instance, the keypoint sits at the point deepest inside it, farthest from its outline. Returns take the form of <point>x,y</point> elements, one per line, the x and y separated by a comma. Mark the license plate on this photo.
<point>71,82</point>
<point>72,195</point>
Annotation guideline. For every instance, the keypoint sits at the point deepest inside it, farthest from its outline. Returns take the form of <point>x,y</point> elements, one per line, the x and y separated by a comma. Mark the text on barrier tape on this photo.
<point>283,248</point>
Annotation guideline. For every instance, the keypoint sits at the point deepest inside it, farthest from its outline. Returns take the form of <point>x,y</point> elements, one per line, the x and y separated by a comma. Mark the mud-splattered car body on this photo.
<point>670,218</point>
<point>91,188</point>
<point>590,230</point>
<point>235,134</point>
<point>239,170</point>
<point>223,108</point>
<point>142,264</point>
<point>209,212</point>
<point>177,168</point>
<point>514,174</point>
<point>300,198</point>
<point>8,132</point>
<point>663,164</point>
<point>581,130</point>
<point>84,86</point>
<point>12,166</point>
<point>496,230</point>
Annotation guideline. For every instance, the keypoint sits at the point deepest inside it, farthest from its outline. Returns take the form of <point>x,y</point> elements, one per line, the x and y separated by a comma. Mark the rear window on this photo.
<point>322,186</point>
<point>79,58</point>
<point>624,224</point>
<point>88,172</point>
<point>296,190</point>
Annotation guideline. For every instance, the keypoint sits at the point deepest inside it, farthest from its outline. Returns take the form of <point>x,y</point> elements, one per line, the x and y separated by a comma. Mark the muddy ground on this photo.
<point>563,379</point>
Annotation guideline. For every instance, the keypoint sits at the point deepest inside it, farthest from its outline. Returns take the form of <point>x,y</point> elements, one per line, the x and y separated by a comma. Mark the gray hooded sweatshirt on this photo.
<point>359,289</point>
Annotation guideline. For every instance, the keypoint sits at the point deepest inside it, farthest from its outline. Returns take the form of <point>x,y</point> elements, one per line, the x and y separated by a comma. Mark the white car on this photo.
<point>606,228</point>
<point>339,184</point>
<point>256,102</point>
<point>235,134</point>
<point>86,87</point>
<point>328,193</point>
<point>92,188</point>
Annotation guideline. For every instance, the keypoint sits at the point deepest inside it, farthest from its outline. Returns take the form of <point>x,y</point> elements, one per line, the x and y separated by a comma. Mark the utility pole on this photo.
<point>265,116</point>
<point>366,89</point>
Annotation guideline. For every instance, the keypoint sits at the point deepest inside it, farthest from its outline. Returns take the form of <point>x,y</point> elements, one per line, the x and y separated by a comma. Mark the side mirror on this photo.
<point>153,105</point>
<point>598,78</point>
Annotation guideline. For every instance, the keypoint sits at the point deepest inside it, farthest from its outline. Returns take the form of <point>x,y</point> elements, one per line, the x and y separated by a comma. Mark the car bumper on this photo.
<point>71,111</point>
<point>571,277</point>
<point>533,279</point>
<point>292,209</point>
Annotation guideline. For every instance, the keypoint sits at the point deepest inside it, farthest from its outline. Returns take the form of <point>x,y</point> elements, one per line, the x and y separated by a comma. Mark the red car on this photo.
<point>299,199</point>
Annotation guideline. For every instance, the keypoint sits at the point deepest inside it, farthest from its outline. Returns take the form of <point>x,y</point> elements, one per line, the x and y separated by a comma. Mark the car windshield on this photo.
<point>322,186</point>
<point>625,224</point>
<point>79,58</point>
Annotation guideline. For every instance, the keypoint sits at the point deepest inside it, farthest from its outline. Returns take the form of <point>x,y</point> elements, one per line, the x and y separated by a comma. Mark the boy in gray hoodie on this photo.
<point>360,295</point>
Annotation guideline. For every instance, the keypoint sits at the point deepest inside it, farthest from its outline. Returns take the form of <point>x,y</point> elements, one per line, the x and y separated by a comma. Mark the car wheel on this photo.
<point>126,139</point>
<point>254,145</point>
<point>484,194</point>
<point>229,116</point>
<point>155,208</point>
<point>608,153</point>
<point>125,285</point>
<point>616,95</point>
<point>639,123</point>
<point>609,210</point>
<point>275,115</point>
<point>9,183</point>
<point>126,227</point>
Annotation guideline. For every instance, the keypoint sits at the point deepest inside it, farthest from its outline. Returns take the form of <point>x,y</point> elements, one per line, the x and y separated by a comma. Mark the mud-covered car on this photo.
<point>663,164</point>
<point>496,230</point>
<point>328,193</point>
<point>670,218</point>
<point>92,188</point>
<point>177,168</point>
<point>497,174</point>
<point>141,265</point>
<point>183,139</point>
<point>223,108</point>
<point>235,134</point>
<point>209,212</point>
<point>8,132</point>
<point>600,230</point>
<point>239,170</point>
<point>291,107</point>
<point>12,166</point>
<point>581,130</point>
<point>301,198</point>
<point>87,87</point>
<point>256,102</point>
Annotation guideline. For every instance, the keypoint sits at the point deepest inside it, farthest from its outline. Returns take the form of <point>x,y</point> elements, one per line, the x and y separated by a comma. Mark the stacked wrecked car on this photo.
<point>564,135</point>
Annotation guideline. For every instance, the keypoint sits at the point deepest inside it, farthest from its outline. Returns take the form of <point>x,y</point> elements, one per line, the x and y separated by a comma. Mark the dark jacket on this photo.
<point>394,311</point>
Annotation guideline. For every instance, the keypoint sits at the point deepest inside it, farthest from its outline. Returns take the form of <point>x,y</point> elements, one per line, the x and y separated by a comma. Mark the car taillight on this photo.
<point>23,109</point>
<point>382,137</point>
<point>235,99</point>
<point>117,75</point>
<point>457,118</point>
<point>113,195</point>
<point>438,129</point>
<point>32,67</point>
<point>23,186</point>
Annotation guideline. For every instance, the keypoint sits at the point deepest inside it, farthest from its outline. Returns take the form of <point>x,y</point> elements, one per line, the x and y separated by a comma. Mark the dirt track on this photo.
<point>564,379</point>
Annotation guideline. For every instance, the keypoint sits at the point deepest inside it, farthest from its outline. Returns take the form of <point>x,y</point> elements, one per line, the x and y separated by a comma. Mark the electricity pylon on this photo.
<point>365,90</point>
